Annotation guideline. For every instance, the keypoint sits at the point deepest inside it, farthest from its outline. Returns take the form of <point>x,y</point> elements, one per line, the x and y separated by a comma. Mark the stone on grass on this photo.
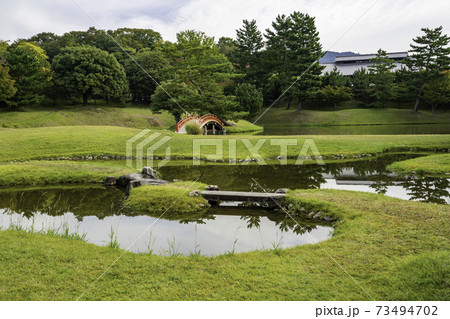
<point>110,181</point>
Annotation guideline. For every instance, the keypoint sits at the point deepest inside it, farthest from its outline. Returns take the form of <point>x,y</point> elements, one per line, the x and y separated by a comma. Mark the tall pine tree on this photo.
<point>294,43</point>
<point>430,57</point>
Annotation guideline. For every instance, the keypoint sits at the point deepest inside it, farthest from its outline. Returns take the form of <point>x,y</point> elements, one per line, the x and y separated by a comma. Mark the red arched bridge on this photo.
<point>209,123</point>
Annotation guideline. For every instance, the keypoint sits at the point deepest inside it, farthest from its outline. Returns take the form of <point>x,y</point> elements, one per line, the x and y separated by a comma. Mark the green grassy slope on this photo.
<point>69,141</point>
<point>406,261</point>
<point>430,165</point>
<point>280,116</point>
<point>85,115</point>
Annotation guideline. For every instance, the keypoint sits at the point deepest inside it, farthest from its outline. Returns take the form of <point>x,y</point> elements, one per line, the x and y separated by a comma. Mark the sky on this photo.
<point>361,26</point>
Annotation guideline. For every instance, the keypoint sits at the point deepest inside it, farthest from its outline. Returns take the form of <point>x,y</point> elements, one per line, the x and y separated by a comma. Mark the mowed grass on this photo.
<point>383,249</point>
<point>279,116</point>
<point>172,200</point>
<point>76,141</point>
<point>55,172</point>
<point>139,117</point>
<point>430,165</point>
<point>243,126</point>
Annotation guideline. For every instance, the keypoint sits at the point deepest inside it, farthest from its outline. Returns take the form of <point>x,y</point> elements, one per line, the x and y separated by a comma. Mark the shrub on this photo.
<point>193,129</point>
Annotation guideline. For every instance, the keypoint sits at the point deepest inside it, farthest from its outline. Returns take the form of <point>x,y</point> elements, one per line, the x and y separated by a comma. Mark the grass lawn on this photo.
<point>85,115</point>
<point>75,141</point>
<point>429,165</point>
<point>279,116</point>
<point>243,126</point>
<point>393,249</point>
<point>171,199</point>
<point>55,172</point>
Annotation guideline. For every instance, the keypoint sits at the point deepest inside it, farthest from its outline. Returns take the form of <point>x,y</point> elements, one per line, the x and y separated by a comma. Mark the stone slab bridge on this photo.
<point>269,199</point>
<point>209,123</point>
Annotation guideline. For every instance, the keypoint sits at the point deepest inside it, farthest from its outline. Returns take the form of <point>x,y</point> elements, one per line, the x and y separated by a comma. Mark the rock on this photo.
<point>327,218</point>
<point>212,188</point>
<point>175,180</point>
<point>194,194</point>
<point>126,179</point>
<point>110,181</point>
<point>282,190</point>
<point>150,172</point>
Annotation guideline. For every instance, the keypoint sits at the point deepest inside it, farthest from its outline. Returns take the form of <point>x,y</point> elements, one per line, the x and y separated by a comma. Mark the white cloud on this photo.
<point>388,24</point>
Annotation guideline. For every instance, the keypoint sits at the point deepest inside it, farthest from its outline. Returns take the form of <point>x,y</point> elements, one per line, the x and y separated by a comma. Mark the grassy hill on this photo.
<point>279,116</point>
<point>85,115</point>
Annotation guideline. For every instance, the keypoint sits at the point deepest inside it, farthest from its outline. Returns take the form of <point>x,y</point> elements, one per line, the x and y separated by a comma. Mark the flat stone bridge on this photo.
<point>250,197</point>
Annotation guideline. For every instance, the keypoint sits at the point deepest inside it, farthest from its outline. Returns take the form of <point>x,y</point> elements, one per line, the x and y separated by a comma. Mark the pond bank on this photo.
<point>405,261</point>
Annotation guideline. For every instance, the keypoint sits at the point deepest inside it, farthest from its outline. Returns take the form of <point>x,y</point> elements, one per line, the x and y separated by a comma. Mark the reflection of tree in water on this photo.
<point>427,189</point>
<point>252,221</point>
<point>83,201</point>
<point>284,223</point>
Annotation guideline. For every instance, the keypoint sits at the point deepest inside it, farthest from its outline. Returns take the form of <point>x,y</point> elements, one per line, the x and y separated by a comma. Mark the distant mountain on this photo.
<point>330,56</point>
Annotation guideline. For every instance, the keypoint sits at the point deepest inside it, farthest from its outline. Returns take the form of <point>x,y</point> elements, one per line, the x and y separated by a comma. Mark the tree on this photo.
<point>336,94</point>
<point>7,88</point>
<point>430,57</point>
<point>155,64</point>
<point>437,91</point>
<point>204,70</point>
<point>226,46</point>
<point>30,69</point>
<point>249,98</point>
<point>175,96</point>
<point>382,79</point>
<point>294,43</point>
<point>360,82</point>
<point>48,41</point>
<point>335,78</point>
<point>84,71</point>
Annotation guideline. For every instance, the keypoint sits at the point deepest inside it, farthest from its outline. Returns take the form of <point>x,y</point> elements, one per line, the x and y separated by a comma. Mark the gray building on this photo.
<point>348,64</point>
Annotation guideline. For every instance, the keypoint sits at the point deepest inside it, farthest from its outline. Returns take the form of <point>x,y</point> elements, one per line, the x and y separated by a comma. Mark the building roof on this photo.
<point>368,57</point>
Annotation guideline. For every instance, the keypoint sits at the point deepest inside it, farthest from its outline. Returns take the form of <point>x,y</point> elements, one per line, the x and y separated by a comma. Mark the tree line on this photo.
<point>232,78</point>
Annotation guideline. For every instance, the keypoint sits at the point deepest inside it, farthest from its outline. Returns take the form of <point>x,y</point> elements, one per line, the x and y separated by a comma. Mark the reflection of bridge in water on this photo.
<point>209,123</point>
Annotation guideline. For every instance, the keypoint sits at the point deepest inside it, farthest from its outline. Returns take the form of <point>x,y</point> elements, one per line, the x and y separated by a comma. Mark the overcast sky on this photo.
<point>361,26</point>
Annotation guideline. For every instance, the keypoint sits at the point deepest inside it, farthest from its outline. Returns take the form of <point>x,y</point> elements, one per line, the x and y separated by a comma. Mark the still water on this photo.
<point>99,212</point>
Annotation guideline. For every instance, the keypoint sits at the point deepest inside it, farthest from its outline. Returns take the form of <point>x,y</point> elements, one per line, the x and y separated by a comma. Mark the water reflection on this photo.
<point>364,175</point>
<point>96,210</point>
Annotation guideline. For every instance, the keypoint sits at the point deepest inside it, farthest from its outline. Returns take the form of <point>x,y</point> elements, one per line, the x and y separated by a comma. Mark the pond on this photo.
<point>356,129</point>
<point>98,212</point>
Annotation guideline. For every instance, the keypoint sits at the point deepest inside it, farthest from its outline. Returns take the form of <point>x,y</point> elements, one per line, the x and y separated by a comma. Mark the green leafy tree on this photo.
<point>156,66</point>
<point>250,99</point>
<point>30,69</point>
<point>429,58</point>
<point>360,82</point>
<point>84,71</point>
<point>48,41</point>
<point>7,88</point>
<point>226,46</point>
<point>176,97</point>
<point>336,94</point>
<point>204,70</point>
<point>335,78</point>
<point>382,79</point>
<point>247,55</point>
<point>295,45</point>
<point>437,91</point>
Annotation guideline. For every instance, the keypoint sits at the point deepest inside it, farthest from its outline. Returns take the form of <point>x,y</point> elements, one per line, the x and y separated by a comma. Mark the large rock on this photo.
<point>126,179</point>
<point>150,172</point>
